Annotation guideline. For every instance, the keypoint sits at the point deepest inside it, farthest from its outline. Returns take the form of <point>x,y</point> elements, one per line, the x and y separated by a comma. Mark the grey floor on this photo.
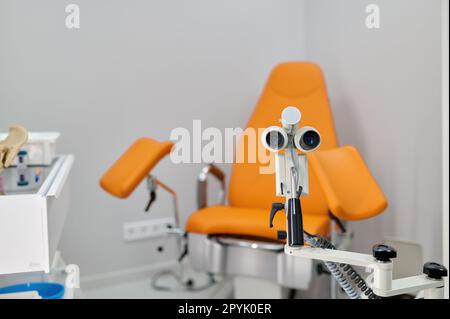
<point>141,288</point>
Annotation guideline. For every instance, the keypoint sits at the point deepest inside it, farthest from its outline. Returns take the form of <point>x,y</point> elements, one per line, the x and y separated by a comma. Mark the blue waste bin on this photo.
<point>47,290</point>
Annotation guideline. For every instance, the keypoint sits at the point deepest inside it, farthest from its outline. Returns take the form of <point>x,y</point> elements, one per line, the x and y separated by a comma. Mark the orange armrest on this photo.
<point>350,189</point>
<point>133,166</point>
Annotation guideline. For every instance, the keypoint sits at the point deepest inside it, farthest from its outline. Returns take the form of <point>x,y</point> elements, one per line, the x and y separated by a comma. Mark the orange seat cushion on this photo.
<point>216,220</point>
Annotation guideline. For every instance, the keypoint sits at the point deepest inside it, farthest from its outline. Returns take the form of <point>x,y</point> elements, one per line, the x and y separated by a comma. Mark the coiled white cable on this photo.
<point>334,270</point>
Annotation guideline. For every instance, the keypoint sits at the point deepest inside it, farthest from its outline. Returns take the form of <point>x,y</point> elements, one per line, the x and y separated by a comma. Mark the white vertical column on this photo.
<point>445,136</point>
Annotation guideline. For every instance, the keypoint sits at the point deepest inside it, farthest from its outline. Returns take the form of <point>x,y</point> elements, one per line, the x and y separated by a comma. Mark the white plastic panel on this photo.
<point>282,180</point>
<point>23,234</point>
<point>31,224</point>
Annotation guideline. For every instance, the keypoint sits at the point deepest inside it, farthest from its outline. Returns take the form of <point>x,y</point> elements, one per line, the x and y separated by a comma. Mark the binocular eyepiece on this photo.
<point>305,139</point>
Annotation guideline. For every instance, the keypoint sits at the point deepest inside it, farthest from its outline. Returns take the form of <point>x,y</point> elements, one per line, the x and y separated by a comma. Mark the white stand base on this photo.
<point>254,288</point>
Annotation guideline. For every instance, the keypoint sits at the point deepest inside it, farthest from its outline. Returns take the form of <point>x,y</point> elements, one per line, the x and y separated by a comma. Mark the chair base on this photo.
<point>230,256</point>
<point>256,288</point>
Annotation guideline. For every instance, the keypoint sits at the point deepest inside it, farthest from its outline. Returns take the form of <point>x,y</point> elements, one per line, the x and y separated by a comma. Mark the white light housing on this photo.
<point>290,117</point>
<point>307,139</point>
<point>274,138</point>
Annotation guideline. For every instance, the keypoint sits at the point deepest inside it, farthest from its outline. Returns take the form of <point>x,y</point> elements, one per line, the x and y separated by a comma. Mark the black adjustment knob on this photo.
<point>281,235</point>
<point>189,283</point>
<point>383,252</point>
<point>434,270</point>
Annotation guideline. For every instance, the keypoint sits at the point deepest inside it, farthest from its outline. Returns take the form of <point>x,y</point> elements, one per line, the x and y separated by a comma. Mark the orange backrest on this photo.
<point>290,84</point>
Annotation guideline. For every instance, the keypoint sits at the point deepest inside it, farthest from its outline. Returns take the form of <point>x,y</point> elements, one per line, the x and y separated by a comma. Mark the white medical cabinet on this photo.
<point>33,209</point>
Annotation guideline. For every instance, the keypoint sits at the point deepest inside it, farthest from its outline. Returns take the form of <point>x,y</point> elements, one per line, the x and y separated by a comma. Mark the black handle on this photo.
<point>295,223</point>
<point>150,201</point>
<point>276,207</point>
<point>183,253</point>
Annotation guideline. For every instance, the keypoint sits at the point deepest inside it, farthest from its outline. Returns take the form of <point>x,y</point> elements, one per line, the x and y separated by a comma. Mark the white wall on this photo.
<point>135,68</point>
<point>385,89</point>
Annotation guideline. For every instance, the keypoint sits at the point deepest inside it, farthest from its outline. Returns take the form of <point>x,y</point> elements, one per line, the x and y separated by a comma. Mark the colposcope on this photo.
<point>292,182</point>
<point>291,169</point>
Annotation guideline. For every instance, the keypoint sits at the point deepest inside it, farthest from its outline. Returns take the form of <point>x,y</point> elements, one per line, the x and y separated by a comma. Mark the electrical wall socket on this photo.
<point>145,229</point>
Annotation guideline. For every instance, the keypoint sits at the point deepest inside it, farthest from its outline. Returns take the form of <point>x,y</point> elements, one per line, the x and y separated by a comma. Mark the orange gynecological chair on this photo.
<point>235,238</point>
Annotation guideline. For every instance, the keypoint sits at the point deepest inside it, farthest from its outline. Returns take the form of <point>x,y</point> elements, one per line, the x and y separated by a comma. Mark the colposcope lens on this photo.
<point>310,140</point>
<point>275,140</point>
